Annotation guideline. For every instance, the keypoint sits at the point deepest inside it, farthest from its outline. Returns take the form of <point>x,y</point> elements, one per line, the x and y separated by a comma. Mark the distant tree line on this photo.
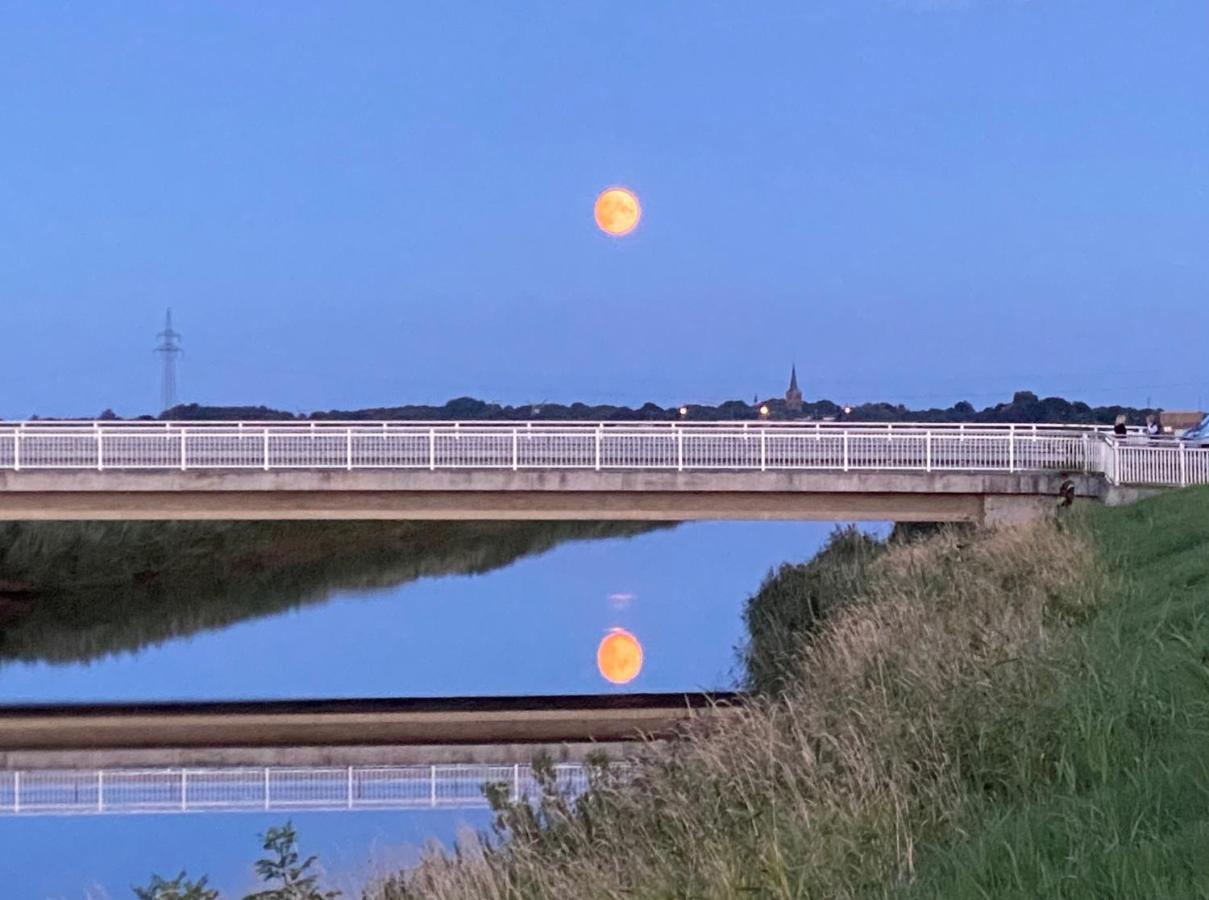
<point>1025,406</point>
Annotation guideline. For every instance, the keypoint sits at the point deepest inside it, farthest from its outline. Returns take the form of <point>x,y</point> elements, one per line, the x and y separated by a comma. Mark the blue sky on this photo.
<point>377,203</point>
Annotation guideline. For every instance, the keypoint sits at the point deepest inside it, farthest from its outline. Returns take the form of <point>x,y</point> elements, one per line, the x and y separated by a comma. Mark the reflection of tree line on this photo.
<point>79,591</point>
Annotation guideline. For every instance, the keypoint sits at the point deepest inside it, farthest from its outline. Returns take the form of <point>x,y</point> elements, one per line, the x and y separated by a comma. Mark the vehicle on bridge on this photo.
<point>1197,436</point>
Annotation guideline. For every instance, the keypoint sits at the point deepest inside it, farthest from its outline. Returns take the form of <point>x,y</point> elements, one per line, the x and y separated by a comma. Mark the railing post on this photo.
<point>599,438</point>
<point>763,449</point>
<point>928,451</point>
<point>96,427</point>
<point>516,782</point>
<point>514,449</point>
<point>845,451</point>
<point>1183,464</point>
<point>17,791</point>
<point>432,449</point>
<point>17,450</point>
<point>679,450</point>
<point>432,787</point>
<point>266,448</point>
<point>350,787</point>
<point>1086,453</point>
<point>184,789</point>
<point>266,787</point>
<point>100,790</point>
<point>348,449</point>
<point>182,433</point>
<point>1011,448</point>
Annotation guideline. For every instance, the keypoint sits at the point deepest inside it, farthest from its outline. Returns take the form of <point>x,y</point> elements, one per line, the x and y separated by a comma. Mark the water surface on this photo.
<point>317,626</point>
<point>528,626</point>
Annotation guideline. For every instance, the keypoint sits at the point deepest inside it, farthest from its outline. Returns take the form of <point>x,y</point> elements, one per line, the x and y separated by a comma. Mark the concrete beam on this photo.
<point>335,755</point>
<point>513,505</point>
<point>539,494</point>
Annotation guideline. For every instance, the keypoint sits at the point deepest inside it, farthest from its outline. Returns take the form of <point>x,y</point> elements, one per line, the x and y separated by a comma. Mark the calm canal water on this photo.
<point>529,626</point>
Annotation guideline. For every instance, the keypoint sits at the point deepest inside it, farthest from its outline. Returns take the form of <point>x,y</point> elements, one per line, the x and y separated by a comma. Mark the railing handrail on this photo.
<point>570,424</point>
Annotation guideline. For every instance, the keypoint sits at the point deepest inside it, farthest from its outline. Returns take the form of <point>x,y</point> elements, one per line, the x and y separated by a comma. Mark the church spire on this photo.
<point>793,396</point>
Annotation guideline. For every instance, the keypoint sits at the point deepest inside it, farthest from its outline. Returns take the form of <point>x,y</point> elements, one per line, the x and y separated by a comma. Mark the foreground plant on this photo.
<point>287,875</point>
<point>179,888</point>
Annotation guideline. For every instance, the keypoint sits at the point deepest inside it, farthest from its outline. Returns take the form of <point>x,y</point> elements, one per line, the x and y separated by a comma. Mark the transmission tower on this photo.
<point>169,349</point>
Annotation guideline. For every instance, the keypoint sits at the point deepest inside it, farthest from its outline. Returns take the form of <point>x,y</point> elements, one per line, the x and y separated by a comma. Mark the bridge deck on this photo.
<point>622,470</point>
<point>542,494</point>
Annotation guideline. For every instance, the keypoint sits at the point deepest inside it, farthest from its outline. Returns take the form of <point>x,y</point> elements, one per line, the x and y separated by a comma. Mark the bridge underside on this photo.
<point>985,498</point>
<point>199,756</point>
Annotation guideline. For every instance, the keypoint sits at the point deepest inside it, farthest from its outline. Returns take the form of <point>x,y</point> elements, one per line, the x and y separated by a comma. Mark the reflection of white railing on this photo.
<point>390,445</point>
<point>114,791</point>
<point>824,446</point>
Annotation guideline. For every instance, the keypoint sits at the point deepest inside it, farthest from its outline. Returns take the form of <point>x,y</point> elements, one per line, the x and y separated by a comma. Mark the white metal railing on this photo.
<point>925,447</point>
<point>170,790</point>
<point>103,446</point>
<point>1163,463</point>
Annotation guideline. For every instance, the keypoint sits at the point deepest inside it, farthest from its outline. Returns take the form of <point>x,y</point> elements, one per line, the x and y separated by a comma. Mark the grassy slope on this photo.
<point>1125,809</point>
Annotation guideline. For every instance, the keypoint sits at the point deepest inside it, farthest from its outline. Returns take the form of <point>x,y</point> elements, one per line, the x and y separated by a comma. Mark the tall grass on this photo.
<point>908,711</point>
<point>795,599</point>
<point>1123,809</point>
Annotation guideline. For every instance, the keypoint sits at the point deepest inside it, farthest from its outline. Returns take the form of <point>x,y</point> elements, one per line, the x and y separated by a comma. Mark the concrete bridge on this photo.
<point>615,470</point>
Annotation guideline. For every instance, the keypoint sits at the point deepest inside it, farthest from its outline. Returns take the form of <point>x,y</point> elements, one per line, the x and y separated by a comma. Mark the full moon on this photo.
<point>619,656</point>
<point>617,211</point>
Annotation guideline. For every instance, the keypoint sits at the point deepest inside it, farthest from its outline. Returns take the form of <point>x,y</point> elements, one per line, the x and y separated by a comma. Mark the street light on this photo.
<point>764,409</point>
<point>684,411</point>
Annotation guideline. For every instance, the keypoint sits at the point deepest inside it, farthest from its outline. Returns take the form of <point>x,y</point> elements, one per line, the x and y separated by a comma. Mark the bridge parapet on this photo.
<point>485,445</point>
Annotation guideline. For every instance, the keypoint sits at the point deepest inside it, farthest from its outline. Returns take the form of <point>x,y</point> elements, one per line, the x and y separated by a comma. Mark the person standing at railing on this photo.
<point>1152,428</point>
<point>1118,428</point>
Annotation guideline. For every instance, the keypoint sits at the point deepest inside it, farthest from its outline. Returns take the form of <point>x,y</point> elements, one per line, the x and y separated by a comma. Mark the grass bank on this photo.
<point>1014,714</point>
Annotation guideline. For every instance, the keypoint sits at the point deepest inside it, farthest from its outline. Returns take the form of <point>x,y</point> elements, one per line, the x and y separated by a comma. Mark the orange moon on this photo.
<point>617,211</point>
<point>619,656</point>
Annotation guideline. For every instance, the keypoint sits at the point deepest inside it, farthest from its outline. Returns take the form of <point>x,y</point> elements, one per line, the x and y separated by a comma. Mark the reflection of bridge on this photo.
<point>445,731</point>
<point>320,754</point>
<point>42,792</point>
<point>622,470</point>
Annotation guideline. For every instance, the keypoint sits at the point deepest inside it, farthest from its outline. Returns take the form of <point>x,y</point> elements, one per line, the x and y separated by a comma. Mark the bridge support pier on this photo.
<point>1005,510</point>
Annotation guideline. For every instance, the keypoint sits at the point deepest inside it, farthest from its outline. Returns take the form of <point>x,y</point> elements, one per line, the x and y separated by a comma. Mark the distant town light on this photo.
<point>764,410</point>
<point>684,410</point>
<point>847,410</point>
